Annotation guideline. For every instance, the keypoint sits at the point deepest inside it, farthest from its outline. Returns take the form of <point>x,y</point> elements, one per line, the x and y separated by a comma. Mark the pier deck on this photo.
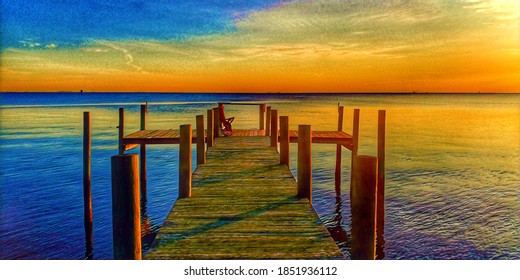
<point>172,136</point>
<point>243,206</point>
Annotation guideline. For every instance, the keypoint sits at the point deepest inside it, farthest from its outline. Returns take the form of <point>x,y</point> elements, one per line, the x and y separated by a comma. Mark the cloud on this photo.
<point>326,45</point>
<point>128,56</point>
<point>30,44</point>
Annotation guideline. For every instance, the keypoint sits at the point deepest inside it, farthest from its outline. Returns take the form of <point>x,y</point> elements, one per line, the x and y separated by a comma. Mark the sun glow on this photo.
<point>300,46</point>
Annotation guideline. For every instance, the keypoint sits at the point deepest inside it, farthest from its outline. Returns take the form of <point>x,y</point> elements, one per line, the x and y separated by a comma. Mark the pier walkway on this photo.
<point>243,206</point>
<point>242,201</point>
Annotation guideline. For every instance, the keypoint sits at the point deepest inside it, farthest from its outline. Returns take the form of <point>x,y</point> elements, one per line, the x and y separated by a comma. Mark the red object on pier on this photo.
<point>226,128</point>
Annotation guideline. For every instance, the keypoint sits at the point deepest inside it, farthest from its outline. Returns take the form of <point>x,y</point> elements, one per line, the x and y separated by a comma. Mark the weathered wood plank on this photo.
<point>171,136</point>
<point>243,206</point>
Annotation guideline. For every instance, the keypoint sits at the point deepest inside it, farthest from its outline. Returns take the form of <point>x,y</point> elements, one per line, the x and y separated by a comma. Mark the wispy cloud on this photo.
<point>327,44</point>
<point>128,56</point>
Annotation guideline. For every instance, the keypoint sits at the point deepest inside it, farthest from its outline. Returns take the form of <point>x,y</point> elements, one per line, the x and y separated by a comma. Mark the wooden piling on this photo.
<point>201,149</point>
<point>210,126</point>
<point>305,162</point>
<point>284,140</point>
<point>355,143</point>
<point>363,200</point>
<point>381,169</point>
<point>144,110</point>
<point>121,134</point>
<point>216,124</point>
<point>337,175</point>
<point>261,113</point>
<point>274,129</point>
<point>142,153</point>
<point>87,190</point>
<point>126,207</point>
<point>268,122</point>
<point>185,161</point>
<point>355,132</point>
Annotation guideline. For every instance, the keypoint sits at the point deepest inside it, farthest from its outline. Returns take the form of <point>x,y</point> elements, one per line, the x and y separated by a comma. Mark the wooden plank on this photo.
<point>243,206</point>
<point>138,134</point>
<point>171,136</point>
<point>326,137</point>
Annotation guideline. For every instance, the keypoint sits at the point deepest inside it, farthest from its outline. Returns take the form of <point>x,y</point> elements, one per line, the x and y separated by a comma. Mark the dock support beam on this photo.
<point>274,129</point>
<point>268,122</point>
<point>121,134</point>
<point>355,143</point>
<point>185,161</point>
<point>364,188</point>
<point>261,113</point>
<point>201,147</point>
<point>87,190</point>
<point>142,153</point>
<point>284,140</point>
<point>381,170</point>
<point>216,124</point>
<point>210,126</point>
<point>337,175</point>
<point>126,213</point>
<point>305,162</point>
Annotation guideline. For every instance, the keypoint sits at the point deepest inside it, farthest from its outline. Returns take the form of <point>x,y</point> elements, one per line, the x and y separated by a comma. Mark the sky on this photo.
<point>260,46</point>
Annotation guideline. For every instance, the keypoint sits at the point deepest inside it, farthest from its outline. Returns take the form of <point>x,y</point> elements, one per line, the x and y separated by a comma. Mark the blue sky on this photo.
<point>261,46</point>
<point>29,23</point>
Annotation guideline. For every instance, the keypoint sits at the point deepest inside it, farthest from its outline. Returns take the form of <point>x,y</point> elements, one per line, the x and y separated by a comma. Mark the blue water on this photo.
<point>37,24</point>
<point>452,169</point>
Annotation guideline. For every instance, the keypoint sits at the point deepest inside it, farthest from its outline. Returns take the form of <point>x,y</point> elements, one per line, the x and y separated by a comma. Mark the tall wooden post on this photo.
<point>216,124</point>
<point>201,147</point>
<point>121,134</point>
<point>274,129</point>
<point>337,177</point>
<point>355,143</point>
<point>305,162</point>
<point>210,126</point>
<point>126,207</point>
<point>185,161</point>
<point>268,122</point>
<point>284,140</point>
<point>381,169</point>
<point>355,132</point>
<point>261,112</point>
<point>87,191</point>
<point>142,153</point>
<point>364,187</point>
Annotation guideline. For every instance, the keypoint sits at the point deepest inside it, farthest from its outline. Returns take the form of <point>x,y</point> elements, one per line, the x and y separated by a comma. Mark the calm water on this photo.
<point>452,188</point>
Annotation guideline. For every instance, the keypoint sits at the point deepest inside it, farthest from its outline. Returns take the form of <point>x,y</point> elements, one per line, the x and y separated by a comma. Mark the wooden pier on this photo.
<point>242,201</point>
<point>243,206</point>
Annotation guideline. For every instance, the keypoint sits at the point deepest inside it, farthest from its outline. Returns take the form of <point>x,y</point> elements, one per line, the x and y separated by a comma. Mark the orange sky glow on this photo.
<point>301,46</point>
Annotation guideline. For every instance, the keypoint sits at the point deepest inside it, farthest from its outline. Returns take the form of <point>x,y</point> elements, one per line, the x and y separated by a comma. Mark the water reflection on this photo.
<point>89,251</point>
<point>148,231</point>
<point>336,229</point>
<point>380,240</point>
<point>338,225</point>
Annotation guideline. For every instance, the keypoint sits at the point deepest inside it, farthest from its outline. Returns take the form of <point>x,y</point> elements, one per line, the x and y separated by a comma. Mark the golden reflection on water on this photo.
<point>452,168</point>
<point>421,129</point>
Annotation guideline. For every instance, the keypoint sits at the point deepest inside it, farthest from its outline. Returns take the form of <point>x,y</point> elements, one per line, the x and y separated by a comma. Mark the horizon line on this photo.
<point>263,93</point>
